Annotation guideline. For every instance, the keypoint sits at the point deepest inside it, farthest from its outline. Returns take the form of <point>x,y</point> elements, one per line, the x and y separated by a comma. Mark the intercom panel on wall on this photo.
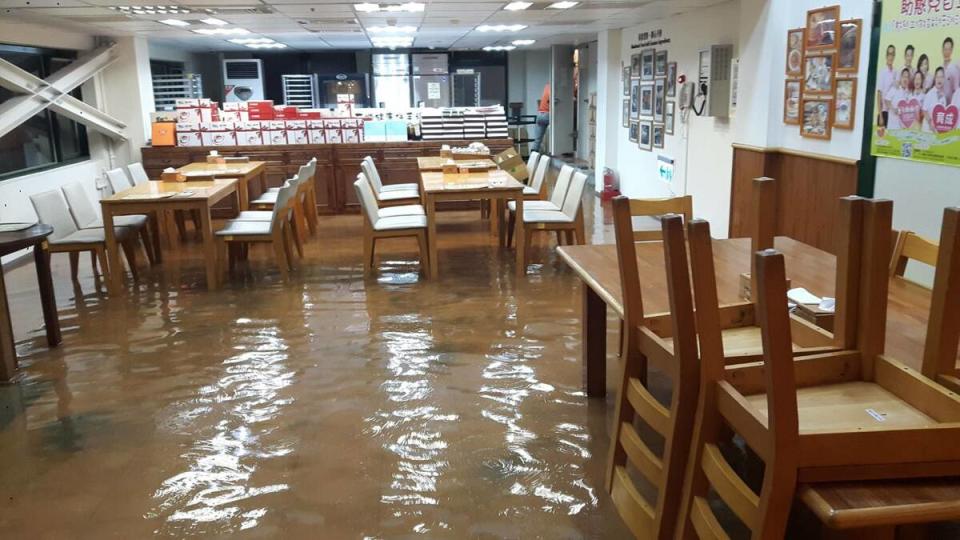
<point>714,79</point>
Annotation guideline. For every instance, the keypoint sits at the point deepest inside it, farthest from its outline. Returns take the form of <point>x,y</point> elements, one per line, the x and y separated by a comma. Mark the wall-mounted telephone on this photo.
<point>687,95</point>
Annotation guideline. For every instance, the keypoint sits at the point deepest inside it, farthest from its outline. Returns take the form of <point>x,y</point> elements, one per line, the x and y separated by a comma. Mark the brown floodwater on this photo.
<point>328,407</point>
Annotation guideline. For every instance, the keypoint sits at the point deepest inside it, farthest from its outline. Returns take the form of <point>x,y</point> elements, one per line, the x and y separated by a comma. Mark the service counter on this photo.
<point>337,164</point>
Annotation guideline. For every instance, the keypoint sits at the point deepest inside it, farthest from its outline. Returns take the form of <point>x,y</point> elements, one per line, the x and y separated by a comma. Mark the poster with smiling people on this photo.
<point>918,82</point>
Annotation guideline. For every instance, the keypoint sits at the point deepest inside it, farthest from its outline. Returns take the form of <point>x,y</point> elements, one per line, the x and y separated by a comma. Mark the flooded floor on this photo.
<point>328,407</point>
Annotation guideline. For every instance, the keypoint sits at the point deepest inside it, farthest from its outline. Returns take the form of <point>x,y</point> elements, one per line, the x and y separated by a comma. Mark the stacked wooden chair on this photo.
<point>302,201</point>
<point>849,414</point>
<point>911,246</point>
<point>943,330</point>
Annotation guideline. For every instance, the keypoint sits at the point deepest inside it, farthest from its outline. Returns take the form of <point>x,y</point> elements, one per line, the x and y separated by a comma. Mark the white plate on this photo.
<point>13,227</point>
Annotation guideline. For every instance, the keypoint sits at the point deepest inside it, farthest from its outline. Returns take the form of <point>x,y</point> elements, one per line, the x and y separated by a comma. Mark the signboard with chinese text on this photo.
<point>918,82</point>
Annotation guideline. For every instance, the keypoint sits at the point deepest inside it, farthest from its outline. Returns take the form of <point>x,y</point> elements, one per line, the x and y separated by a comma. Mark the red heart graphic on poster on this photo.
<point>909,111</point>
<point>944,119</point>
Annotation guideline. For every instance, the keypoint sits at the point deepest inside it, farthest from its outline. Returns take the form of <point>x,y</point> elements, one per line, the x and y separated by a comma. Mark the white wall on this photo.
<point>158,51</point>
<point>701,147</point>
<point>528,71</point>
<point>609,99</point>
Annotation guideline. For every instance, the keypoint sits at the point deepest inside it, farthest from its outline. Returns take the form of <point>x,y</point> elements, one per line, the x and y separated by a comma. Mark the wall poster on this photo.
<point>918,84</point>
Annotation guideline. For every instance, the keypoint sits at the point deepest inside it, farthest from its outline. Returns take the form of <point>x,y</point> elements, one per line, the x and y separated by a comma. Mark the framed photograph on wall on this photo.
<point>848,54</point>
<point>795,52</point>
<point>821,31</point>
<point>646,99</point>
<point>818,76</point>
<point>633,134</point>
<point>845,104</point>
<point>635,99</point>
<point>635,65</point>
<point>816,118</point>
<point>659,99</point>
<point>658,136</point>
<point>670,117</point>
<point>647,59</point>
<point>626,81</point>
<point>791,102</point>
<point>660,64</point>
<point>626,112</point>
<point>646,136</point>
<point>671,79</point>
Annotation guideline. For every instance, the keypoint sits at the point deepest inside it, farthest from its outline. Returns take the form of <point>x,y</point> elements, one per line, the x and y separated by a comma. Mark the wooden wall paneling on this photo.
<point>747,165</point>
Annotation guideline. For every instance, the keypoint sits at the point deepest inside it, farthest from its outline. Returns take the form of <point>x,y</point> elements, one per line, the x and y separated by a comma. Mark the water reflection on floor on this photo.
<point>329,407</point>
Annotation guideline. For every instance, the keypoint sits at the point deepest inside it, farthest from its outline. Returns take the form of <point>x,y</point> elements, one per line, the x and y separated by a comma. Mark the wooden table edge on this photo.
<point>588,280</point>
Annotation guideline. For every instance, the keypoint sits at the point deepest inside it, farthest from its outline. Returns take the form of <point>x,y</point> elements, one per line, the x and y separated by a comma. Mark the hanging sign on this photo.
<point>918,83</point>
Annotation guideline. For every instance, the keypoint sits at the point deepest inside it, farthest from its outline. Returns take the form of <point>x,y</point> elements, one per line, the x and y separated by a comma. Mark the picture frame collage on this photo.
<point>822,61</point>
<point>648,82</point>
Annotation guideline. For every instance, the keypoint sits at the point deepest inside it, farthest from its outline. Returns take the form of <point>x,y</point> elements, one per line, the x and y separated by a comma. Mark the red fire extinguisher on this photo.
<point>611,186</point>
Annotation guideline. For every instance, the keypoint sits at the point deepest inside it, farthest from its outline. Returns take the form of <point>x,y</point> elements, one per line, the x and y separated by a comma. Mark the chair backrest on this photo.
<point>674,422</point>
<point>281,208</point>
<point>368,201</point>
<point>137,175</point>
<point>373,176</point>
<point>118,180</point>
<point>571,202</point>
<point>659,207</point>
<point>532,160</point>
<point>909,245</point>
<point>84,212</point>
<point>562,185</point>
<point>943,325</point>
<point>52,209</point>
<point>540,173</point>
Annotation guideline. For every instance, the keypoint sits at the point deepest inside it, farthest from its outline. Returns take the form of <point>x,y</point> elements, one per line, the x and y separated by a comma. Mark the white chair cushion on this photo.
<point>272,190</point>
<point>134,220</point>
<point>245,228</point>
<point>397,195</point>
<point>545,216</point>
<point>529,190</point>
<point>401,187</point>
<point>270,197</point>
<point>83,236</point>
<point>255,215</point>
<point>401,222</point>
<point>533,205</point>
<point>405,210</point>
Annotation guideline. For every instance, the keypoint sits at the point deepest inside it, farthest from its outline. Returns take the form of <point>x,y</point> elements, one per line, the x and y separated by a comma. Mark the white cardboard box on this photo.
<point>314,124</point>
<point>296,124</point>
<point>331,123</point>
<point>189,138</point>
<point>275,136</point>
<point>250,125</point>
<point>333,136</point>
<point>188,116</point>
<point>316,136</point>
<point>351,135</point>
<point>297,136</point>
<point>249,138</point>
<point>186,103</point>
<point>219,138</point>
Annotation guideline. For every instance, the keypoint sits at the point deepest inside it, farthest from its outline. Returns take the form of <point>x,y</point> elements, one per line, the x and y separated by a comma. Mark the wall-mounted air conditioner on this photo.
<point>242,80</point>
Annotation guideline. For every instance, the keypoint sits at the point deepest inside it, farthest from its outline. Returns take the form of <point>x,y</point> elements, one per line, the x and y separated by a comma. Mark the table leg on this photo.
<point>209,247</point>
<point>263,182</point>
<point>519,240</point>
<point>494,216</point>
<point>8,349</point>
<point>501,221</point>
<point>154,224</point>
<point>115,272</point>
<point>243,193</point>
<point>432,234</point>
<point>48,300</point>
<point>594,337</point>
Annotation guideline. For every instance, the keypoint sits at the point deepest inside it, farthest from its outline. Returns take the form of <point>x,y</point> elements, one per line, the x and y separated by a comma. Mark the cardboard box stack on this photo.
<point>496,121</point>
<point>453,122</point>
<point>474,124</point>
<point>431,125</point>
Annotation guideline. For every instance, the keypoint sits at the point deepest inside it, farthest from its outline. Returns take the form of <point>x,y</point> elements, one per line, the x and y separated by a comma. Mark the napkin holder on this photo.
<point>450,168</point>
<point>172,176</point>
<point>236,159</point>
<point>216,160</point>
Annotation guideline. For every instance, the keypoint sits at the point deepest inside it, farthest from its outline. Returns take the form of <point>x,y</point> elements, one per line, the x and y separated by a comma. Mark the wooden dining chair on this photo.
<point>394,194</point>
<point>853,414</point>
<point>377,226</point>
<point>138,176</point>
<point>943,324</point>
<point>277,232</point>
<point>676,357</point>
<point>569,219</point>
<point>557,196</point>
<point>909,245</point>
<point>87,216</point>
<point>306,199</point>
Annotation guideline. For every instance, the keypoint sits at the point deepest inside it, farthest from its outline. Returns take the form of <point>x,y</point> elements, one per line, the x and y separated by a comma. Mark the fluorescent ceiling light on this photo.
<point>499,48</point>
<point>411,7</point>
<point>214,21</point>
<point>222,31</point>
<point>249,41</point>
<point>266,46</point>
<point>150,10</point>
<point>392,42</point>
<point>523,41</point>
<point>367,8</point>
<point>501,27</point>
<point>517,6</point>
<point>562,5</point>
<point>392,29</point>
<point>175,22</point>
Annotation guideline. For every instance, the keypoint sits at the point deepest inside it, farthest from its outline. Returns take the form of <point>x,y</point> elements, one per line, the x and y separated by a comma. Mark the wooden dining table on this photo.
<point>436,163</point>
<point>807,266</point>
<point>160,198</point>
<point>244,172</point>
<point>495,185</point>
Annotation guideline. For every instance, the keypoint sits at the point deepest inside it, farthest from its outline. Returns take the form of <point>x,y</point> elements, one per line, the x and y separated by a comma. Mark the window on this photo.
<point>47,139</point>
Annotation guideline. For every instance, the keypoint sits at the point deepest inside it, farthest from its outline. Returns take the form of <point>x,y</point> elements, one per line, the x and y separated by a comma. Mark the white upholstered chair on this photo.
<point>569,219</point>
<point>377,226</point>
<point>87,216</point>
<point>136,173</point>
<point>276,231</point>
<point>391,194</point>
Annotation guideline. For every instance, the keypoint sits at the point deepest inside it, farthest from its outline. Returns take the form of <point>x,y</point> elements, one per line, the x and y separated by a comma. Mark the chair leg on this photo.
<point>74,263</point>
<point>311,210</point>
<point>222,255</point>
<point>297,231</point>
<point>581,235</point>
<point>527,240</point>
<point>93,264</point>
<point>560,234</point>
<point>145,242</point>
<point>280,254</point>
<point>511,225</point>
<point>100,254</point>
<point>367,250</point>
<point>197,227</point>
<point>130,252</point>
<point>289,238</point>
<point>424,253</point>
<point>181,224</point>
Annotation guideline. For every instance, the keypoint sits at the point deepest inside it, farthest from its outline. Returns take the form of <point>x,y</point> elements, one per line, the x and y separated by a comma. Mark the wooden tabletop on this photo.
<point>178,191</point>
<point>807,267</point>
<point>24,238</point>
<point>222,169</point>
<point>435,163</point>
<point>438,182</point>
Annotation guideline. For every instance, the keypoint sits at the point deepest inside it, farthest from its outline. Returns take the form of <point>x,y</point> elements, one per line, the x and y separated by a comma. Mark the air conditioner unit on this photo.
<point>242,80</point>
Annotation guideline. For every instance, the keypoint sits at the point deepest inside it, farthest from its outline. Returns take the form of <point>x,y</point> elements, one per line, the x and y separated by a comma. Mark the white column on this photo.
<point>126,93</point>
<point>609,101</point>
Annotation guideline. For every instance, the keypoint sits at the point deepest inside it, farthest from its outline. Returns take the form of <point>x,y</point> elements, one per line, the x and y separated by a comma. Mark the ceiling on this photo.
<point>336,24</point>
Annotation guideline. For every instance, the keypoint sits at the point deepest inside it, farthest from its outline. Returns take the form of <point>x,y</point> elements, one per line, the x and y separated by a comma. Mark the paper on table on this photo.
<point>828,304</point>
<point>802,296</point>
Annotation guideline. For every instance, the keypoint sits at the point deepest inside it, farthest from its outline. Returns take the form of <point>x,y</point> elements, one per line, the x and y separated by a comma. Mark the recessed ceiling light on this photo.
<point>392,42</point>
<point>562,5</point>
<point>249,41</point>
<point>501,27</point>
<point>411,7</point>
<point>175,22</point>
<point>523,41</point>
<point>499,48</point>
<point>212,21</point>
<point>222,31</point>
<point>517,6</point>
<point>367,8</point>
<point>392,29</point>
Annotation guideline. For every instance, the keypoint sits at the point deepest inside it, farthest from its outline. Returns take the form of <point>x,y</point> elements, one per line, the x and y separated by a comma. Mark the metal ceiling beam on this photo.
<point>40,94</point>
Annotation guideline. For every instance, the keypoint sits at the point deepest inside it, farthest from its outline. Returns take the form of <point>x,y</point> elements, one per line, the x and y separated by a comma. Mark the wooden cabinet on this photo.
<point>337,164</point>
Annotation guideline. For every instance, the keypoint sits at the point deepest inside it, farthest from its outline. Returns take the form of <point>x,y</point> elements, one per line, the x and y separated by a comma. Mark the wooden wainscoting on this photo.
<point>808,189</point>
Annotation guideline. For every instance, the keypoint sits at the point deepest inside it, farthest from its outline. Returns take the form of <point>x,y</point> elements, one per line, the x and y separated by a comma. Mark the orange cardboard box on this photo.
<point>164,134</point>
